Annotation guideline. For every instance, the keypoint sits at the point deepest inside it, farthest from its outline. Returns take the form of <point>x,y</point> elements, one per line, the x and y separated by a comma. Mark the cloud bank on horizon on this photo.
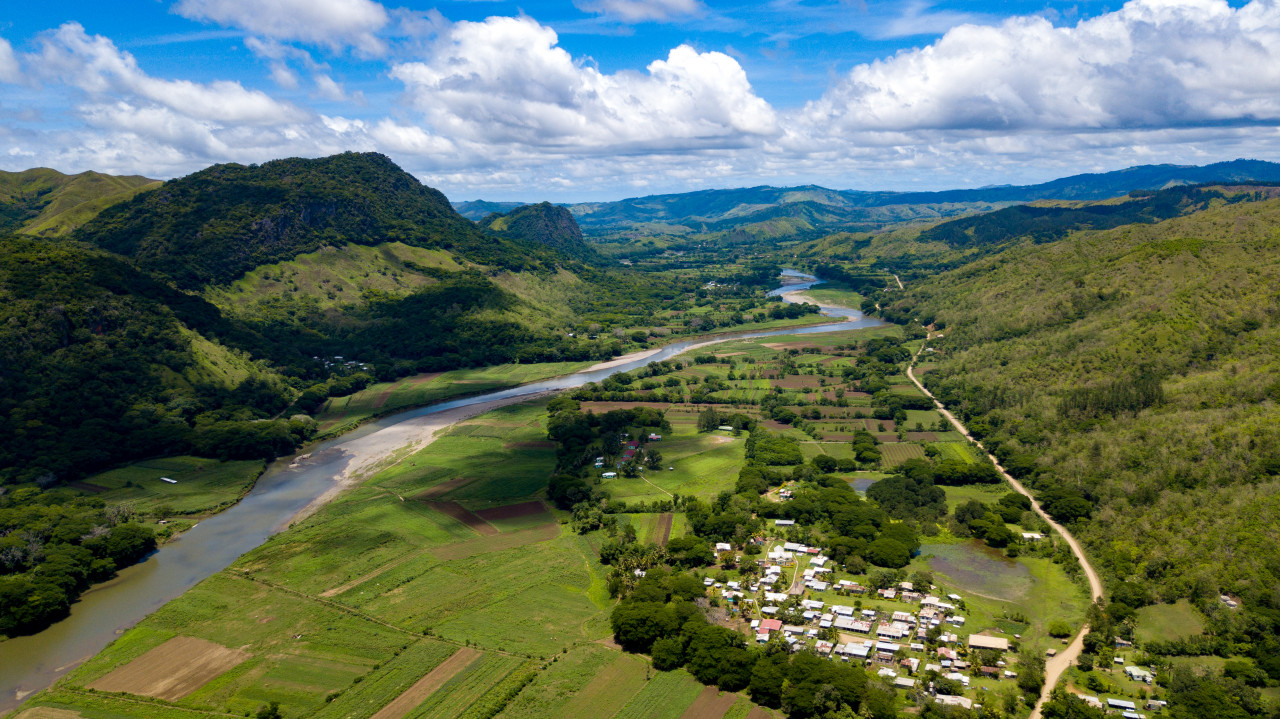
<point>501,105</point>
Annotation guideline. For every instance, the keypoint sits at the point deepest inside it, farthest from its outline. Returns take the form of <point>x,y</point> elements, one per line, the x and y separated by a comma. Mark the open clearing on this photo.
<point>203,485</point>
<point>172,670</point>
<point>427,685</point>
<point>1166,622</point>
<point>710,704</point>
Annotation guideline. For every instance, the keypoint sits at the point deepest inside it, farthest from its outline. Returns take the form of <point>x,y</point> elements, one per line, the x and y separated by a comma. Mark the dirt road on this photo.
<point>1056,666</point>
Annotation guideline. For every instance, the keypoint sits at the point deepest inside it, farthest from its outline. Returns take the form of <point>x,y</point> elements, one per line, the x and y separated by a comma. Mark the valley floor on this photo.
<point>443,585</point>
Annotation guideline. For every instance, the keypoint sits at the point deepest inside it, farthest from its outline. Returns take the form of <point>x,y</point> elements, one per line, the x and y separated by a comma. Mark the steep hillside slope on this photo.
<point>100,362</point>
<point>46,202</point>
<point>543,224</point>
<point>1134,369</point>
<point>213,226</point>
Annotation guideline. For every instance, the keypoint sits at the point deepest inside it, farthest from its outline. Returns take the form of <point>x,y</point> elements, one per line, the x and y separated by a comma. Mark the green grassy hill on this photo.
<point>1135,367</point>
<point>48,203</point>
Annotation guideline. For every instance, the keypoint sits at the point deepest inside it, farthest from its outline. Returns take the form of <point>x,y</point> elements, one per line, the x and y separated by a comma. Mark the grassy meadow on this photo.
<point>341,414</point>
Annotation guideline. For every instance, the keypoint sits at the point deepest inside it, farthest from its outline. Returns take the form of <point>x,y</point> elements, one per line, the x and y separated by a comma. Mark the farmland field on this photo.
<point>524,515</point>
<point>960,451</point>
<point>428,684</point>
<point>172,670</point>
<point>466,687</point>
<point>710,704</point>
<point>665,697</point>
<point>610,689</point>
<point>896,453</point>
<point>556,688</point>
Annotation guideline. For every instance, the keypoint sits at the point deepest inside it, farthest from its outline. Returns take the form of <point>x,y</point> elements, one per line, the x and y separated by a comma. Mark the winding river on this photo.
<point>31,663</point>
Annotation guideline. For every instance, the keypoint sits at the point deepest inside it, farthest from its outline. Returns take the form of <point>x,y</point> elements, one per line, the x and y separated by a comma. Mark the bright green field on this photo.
<point>955,450</point>
<point>1165,622</point>
<point>705,465</point>
<point>342,413</point>
<point>985,493</point>
<point>665,697</point>
<point>204,485</point>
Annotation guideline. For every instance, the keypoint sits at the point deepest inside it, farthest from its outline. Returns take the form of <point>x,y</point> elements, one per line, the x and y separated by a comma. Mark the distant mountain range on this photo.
<point>811,207</point>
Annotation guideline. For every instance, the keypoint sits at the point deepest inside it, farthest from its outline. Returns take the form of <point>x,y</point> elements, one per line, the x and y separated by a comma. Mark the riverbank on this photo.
<point>372,453</point>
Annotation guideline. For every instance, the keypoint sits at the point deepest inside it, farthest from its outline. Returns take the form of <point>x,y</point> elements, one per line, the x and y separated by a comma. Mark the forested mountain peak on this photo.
<point>215,224</point>
<point>543,224</point>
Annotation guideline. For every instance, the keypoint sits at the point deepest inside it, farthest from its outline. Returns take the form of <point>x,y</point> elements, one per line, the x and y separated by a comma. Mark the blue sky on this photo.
<point>600,99</point>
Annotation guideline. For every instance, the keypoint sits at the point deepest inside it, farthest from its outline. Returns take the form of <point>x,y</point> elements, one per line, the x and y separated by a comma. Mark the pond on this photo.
<point>978,569</point>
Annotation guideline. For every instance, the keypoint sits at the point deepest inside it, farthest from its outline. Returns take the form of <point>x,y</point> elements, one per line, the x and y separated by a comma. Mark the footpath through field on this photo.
<point>1057,665</point>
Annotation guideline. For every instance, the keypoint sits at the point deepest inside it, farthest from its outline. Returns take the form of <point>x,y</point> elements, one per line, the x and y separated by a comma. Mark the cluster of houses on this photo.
<point>1126,708</point>
<point>880,638</point>
<point>338,361</point>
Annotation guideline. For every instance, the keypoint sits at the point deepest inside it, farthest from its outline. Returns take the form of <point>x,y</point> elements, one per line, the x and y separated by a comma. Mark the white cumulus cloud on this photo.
<point>642,10</point>
<point>335,23</point>
<point>505,80</point>
<point>9,70</point>
<point>94,64</point>
<point>1151,64</point>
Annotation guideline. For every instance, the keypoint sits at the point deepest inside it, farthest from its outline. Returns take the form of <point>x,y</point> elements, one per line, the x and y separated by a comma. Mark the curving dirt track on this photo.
<point>1056,666</point>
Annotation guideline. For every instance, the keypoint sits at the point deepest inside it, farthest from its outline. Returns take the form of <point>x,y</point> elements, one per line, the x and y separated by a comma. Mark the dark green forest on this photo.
<point>1129,378</point>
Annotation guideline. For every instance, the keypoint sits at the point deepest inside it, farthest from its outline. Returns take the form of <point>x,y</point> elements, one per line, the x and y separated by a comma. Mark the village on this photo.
<point>912,636</point>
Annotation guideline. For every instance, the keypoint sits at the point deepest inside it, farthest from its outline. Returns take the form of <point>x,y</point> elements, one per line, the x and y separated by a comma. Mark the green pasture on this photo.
<point>491,449</point>
<point>204,485</point>
<point>705,465</point>
<point>1166,622</point>
<point>985,493</point>
<point>340,414</point>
